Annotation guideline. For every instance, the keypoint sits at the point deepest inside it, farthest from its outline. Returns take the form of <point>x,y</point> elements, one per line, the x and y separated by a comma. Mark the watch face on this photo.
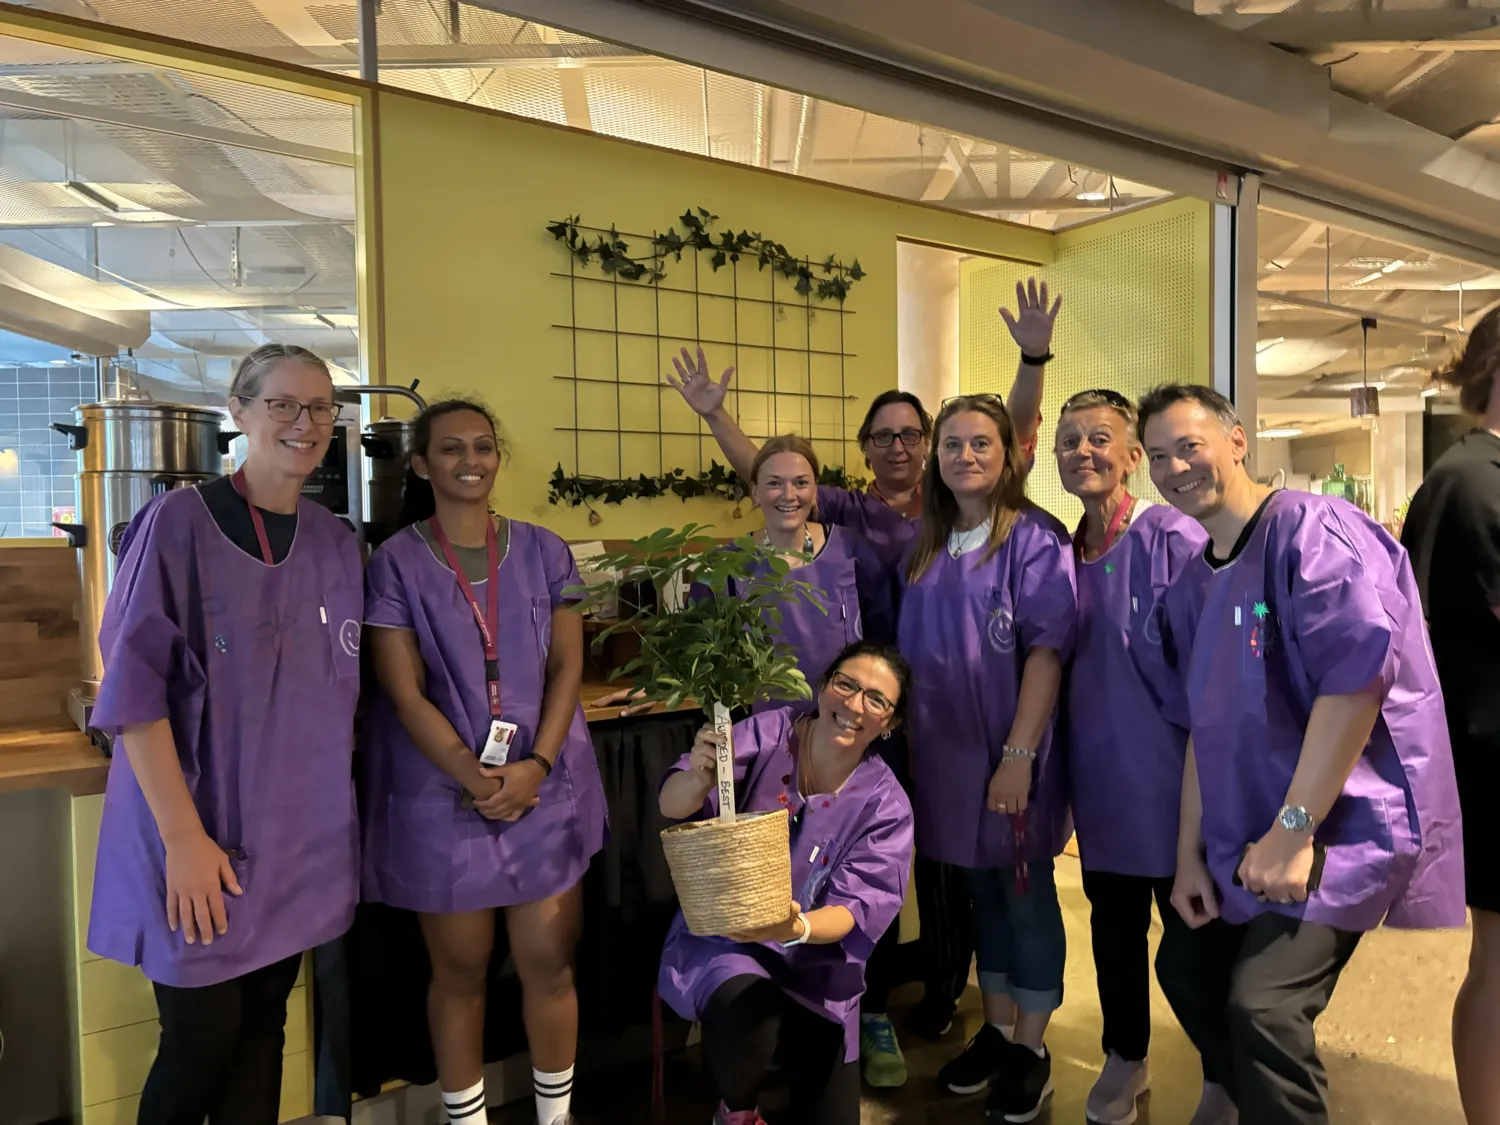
<point>1295,819</point>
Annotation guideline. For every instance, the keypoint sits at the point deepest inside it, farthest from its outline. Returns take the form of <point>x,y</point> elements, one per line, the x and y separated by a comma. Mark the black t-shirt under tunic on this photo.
<point>231,512</point>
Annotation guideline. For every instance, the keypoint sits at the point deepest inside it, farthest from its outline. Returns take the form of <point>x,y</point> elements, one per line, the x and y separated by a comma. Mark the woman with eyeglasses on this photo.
<point>1125,762</point>
<point>482,793</point>
<point>796,984</point>
<point>987,616</point>
<point>229,841</point>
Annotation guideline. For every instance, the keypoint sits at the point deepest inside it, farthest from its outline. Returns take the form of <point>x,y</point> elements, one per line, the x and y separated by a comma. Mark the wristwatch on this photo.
<point>1294,818</point>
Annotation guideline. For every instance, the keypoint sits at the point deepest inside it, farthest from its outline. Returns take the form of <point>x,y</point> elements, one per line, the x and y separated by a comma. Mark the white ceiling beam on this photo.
<point>1413,75</point>
<point>575,93</point>
<point>1360,29</point>
<point>953,165</point>
<point>104,115</point>
<point>1309,236</point>
<point>990,204</point>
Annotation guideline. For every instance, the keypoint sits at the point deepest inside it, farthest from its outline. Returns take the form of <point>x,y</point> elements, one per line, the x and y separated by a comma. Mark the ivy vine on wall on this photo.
<point>829,280</point>
<point>717,480</point>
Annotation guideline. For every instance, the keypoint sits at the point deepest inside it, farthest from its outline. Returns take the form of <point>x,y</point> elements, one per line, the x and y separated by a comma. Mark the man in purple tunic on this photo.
<point>1318,793</point>
<point>798,984</point>
<point>229,844</point>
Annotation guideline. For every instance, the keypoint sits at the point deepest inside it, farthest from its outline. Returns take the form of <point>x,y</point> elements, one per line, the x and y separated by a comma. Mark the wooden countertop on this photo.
<point>43,758</point>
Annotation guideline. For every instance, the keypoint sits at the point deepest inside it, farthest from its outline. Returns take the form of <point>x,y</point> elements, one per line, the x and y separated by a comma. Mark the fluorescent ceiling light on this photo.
<point>1279,431</point>
<point>1430,392</point>
<point>1093,196</point>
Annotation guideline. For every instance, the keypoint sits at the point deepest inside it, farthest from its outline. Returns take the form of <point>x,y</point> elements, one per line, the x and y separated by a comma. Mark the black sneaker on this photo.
<point>930,1019</point>
<point>981,1061</point>
<point>1022,1088</point>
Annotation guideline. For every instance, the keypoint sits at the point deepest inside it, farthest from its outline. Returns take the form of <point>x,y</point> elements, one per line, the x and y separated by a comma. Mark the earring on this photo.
<point>885,734</point>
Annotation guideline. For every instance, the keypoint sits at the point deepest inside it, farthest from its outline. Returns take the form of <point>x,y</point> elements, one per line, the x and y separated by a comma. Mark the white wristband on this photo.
<point>806,932</point>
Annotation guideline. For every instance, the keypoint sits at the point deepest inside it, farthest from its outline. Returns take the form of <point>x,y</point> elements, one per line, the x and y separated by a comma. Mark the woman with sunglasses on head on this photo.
<point>987,616</point>
<point>482,792</point>
<point>796,985</point>
<point>1125,763</point>
<point>229,842</point>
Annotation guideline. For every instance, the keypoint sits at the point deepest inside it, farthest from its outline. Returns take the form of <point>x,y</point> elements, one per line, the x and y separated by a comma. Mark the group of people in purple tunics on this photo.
<point>1229,697</point>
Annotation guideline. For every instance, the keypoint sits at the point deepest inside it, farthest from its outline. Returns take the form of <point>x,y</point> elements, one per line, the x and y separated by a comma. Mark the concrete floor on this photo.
<point>1384,1039</point>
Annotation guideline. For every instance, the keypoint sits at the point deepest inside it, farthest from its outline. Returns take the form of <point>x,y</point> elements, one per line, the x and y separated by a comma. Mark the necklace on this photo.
<point>807,540</point>
<point>962,541</point>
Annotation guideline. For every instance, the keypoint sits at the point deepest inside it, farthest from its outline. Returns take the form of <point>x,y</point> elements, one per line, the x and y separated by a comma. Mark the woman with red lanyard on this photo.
<point>482,793</point>
<point>229,843</point>
<point>1125,763</point>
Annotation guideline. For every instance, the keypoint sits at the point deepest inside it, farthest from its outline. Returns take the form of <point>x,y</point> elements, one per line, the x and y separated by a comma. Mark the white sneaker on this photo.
<point>1215,1108</point>
<point>1119,1086</point>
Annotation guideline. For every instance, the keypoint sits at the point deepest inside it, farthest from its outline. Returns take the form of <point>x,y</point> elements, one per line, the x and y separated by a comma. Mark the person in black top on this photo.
<point>1453,535</point>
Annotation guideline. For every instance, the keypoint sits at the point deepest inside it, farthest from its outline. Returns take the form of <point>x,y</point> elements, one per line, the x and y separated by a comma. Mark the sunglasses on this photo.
<point>1113,398</point>
<point>996,399</point>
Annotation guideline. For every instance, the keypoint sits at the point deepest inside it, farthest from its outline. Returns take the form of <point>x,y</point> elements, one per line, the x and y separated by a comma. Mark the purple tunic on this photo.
<point>851,849</point>
<point>875,521</point>
<point>256,667</point>
<point>1126,711</point>
<point>423,850</point>
<point>1321,601</point>
<point>966,627</point>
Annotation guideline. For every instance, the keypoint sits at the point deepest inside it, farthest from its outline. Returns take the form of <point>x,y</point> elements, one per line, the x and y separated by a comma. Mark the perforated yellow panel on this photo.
<point>1136,292</point>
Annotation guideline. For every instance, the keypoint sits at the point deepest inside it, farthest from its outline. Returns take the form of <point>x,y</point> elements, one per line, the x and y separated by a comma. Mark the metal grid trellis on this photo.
<point>789,355</point>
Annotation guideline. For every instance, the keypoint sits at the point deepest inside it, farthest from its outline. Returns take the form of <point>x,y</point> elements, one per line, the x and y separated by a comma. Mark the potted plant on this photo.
<point>732,873</point>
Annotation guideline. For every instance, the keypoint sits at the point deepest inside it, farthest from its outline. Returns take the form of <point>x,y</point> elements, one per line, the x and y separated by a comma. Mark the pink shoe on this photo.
<point>724,1116</point>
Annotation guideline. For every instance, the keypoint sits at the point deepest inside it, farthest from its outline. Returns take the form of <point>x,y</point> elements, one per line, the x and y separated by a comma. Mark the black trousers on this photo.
<point>746,1019</point>
<point>1120,920</point>
<point>945,948</point>
<point>220,1053</point>
<point>1251,993</point>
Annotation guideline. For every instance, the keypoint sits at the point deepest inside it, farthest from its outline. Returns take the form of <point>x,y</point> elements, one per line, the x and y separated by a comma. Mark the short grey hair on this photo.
<point>1159,398</point>
<point>253,369</point>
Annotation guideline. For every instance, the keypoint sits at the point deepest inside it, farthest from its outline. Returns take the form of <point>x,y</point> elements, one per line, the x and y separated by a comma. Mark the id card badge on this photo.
<point>497,746</point>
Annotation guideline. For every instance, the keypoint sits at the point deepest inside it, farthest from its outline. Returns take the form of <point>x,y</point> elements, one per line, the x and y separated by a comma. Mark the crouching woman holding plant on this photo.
<point>797,984</point>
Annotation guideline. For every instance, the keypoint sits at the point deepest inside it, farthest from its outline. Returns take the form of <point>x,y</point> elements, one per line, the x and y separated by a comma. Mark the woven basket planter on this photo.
<point>731,876</point>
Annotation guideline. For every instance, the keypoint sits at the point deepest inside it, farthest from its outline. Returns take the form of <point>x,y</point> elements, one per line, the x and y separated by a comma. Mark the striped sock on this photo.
<point>554,1095</point>
<point>466,1107</point>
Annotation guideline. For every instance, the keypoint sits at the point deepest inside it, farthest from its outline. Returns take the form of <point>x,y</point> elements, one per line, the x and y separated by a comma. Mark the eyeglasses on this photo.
<point>846,688</point>
<point>884,439</point>
<point>1113,398</point>
<point>996,399</point>
<point>288,410</point>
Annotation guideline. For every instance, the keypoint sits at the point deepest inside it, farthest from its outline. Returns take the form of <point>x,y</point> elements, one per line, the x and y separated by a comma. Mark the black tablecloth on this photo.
<point>371,985</point>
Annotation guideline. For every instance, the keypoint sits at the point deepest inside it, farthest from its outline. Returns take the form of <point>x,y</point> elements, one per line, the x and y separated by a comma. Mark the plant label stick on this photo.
<point>725,765</point>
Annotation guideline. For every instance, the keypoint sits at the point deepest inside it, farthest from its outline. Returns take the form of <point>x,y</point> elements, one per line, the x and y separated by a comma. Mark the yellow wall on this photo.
<point>469,298</point>
<point>1136,292</point>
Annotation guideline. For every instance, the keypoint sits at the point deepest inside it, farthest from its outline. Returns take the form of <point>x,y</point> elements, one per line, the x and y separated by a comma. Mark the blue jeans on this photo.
<point>1019,939</point>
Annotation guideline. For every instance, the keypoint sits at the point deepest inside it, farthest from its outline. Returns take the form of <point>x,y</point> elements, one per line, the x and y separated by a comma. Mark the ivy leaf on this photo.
<point>718,259</point>
<point>558,230</point>
<point>691,221</point>
<point>856,271</point>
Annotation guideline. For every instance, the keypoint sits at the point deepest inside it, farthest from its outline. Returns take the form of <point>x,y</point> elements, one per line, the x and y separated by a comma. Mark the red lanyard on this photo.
<point>238,480</point>
<point>1127,502</point>
<point>488,618</point>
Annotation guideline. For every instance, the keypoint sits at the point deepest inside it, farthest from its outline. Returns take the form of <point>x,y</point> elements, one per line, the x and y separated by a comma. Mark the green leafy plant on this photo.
<point>713,650</point>
<point>715,481</point>
<point>612,254</point>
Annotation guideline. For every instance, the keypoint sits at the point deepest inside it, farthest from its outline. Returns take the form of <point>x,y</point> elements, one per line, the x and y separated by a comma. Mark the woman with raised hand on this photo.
<point>987,616</point>
<point>1125,735</point>
<point>796,985</point>
<point>229,843</point>
<point>482,791</point>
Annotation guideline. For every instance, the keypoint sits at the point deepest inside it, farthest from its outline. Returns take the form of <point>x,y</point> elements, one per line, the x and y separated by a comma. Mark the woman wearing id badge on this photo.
<point>229,843</point>
<point>482,792</point>
<point>797,985</point>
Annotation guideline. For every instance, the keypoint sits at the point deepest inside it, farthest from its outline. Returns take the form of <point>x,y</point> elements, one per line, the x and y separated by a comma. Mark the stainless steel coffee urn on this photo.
<point>128,452</point>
